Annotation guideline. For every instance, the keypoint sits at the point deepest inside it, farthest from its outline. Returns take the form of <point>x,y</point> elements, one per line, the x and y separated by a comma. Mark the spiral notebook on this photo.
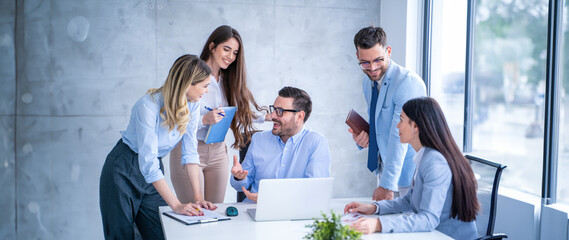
<point>216,132</point>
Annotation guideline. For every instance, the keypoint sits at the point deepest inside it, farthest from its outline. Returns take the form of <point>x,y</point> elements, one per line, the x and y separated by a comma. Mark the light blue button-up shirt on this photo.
<point>146,136</point>
<point>304,155</point>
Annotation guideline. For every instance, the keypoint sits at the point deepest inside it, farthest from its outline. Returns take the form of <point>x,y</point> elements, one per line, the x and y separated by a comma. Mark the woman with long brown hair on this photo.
<point>223,52</point>
<point>443,194</point>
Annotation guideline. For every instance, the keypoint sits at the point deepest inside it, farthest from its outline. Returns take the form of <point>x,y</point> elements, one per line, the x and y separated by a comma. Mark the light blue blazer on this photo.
<point>399,85</point>
<point>427,205</point>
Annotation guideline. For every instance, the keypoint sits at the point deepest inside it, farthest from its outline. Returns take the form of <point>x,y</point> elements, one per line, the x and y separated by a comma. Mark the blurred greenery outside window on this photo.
<point>509,88</point>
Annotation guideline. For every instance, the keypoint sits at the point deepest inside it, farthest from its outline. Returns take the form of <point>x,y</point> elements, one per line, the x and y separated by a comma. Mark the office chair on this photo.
<point>488,176</point>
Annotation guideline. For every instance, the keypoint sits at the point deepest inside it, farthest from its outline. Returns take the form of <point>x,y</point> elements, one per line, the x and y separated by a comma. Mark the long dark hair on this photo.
<point>235,85</point>
<point>434,133</point>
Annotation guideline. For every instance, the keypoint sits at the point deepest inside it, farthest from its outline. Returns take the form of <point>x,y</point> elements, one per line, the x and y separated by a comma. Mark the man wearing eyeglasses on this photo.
<point>386,88</point>
<point>288,151</point>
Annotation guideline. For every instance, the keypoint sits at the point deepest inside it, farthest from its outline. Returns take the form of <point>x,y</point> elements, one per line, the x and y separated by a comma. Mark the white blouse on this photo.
<point>213,99</point>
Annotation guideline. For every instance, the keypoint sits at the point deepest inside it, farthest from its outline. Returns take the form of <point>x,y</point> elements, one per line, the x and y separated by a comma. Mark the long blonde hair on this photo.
<point>187,70</point>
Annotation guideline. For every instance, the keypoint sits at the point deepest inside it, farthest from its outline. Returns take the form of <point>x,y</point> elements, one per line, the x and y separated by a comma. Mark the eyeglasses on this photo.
<point>279,111</point>
<point>365,65</point>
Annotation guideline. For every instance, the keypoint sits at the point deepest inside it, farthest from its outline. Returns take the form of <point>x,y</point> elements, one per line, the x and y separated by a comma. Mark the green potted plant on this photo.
<point>331,228</point>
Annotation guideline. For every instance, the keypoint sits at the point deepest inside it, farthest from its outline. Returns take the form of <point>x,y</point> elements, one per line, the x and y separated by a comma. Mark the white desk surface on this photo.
<point>244,227</point>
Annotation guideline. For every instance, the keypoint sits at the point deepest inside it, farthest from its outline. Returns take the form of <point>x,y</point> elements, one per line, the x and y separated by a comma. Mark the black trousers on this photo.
<point>125,198</point>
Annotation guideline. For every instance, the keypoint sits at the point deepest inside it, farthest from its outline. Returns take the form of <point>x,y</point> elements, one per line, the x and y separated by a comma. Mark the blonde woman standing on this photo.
<point>224,54</point>
<point>132,184</point>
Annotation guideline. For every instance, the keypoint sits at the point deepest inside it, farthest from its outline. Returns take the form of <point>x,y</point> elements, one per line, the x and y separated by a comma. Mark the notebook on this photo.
<point>292,199</point>
<point>216,132</point>
<point>356,122</point>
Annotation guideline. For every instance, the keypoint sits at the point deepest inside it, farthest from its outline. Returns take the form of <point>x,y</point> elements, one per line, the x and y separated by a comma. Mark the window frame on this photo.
<point>552,91</point>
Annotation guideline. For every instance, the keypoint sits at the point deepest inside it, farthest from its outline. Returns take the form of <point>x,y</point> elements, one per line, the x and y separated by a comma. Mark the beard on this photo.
<point>374,77</point>
<point>287,130</point>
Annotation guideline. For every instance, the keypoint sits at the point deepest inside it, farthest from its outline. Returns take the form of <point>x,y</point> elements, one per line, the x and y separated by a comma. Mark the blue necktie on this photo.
<point>372,153</point>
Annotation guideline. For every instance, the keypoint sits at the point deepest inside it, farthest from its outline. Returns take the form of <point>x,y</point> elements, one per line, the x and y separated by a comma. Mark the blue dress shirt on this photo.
<point>146,136</point>
<point>427,205</point>
<point>304,155</point>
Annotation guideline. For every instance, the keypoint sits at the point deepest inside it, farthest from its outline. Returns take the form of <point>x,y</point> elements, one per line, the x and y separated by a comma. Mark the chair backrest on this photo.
<point>488,176</point>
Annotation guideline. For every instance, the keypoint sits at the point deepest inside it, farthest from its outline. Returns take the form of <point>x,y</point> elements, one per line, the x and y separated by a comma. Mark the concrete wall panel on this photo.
<point>7,119</point>
<point>83,64</point>
<point>58,178</point>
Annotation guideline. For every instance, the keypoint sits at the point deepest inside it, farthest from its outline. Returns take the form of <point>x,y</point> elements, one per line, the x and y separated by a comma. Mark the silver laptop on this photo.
<point>292,199</point>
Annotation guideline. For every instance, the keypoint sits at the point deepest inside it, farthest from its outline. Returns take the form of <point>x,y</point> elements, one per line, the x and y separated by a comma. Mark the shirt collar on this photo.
<point>295,138</point>
<point>417,159</point>
<point>418,156</point>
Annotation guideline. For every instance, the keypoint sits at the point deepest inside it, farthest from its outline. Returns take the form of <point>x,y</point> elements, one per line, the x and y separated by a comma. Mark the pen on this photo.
<point>209,109</point>
<point>197,209</point>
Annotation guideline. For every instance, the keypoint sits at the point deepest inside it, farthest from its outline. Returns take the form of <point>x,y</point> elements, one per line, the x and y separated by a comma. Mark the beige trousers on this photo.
<point>213,173</point>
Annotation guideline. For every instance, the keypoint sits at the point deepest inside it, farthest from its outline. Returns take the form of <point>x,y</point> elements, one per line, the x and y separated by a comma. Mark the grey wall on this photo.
<point>7,120</point>
<point>81,65</point>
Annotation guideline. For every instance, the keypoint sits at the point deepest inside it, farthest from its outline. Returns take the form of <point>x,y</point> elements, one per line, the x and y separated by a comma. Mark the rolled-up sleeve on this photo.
<point>147,140</point>
<point>189,140</point>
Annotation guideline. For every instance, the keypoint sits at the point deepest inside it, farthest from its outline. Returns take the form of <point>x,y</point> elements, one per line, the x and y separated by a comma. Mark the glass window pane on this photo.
<point>508,87</point>
<point>448,62</point>
<point>563,164</point>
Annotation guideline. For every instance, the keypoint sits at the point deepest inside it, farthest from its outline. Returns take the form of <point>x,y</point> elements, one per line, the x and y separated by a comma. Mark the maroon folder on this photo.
<point>356,122</point>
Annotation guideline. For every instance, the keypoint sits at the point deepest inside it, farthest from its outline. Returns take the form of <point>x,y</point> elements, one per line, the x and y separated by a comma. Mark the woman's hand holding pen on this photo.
<point>189,209</point>
<point>213,116</point>
<point>365,225</point>
<point>237,170</point>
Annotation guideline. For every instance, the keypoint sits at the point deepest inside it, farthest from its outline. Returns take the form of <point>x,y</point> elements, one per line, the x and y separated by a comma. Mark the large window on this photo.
<point>563,160</point>
<point>508,87</point>
<point>448,61</point>
<point>507,90</point>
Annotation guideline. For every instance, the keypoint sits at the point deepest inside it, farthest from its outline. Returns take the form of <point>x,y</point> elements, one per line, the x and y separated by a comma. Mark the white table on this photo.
<point>244,227</point>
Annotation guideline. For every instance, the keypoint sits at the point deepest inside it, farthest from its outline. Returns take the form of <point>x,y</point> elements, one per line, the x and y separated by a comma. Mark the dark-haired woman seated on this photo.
<point>443,194</point>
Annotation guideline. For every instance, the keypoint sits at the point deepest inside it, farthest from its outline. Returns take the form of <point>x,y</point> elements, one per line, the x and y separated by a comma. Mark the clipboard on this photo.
<point>216,132</point>
<point>209,216</point>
